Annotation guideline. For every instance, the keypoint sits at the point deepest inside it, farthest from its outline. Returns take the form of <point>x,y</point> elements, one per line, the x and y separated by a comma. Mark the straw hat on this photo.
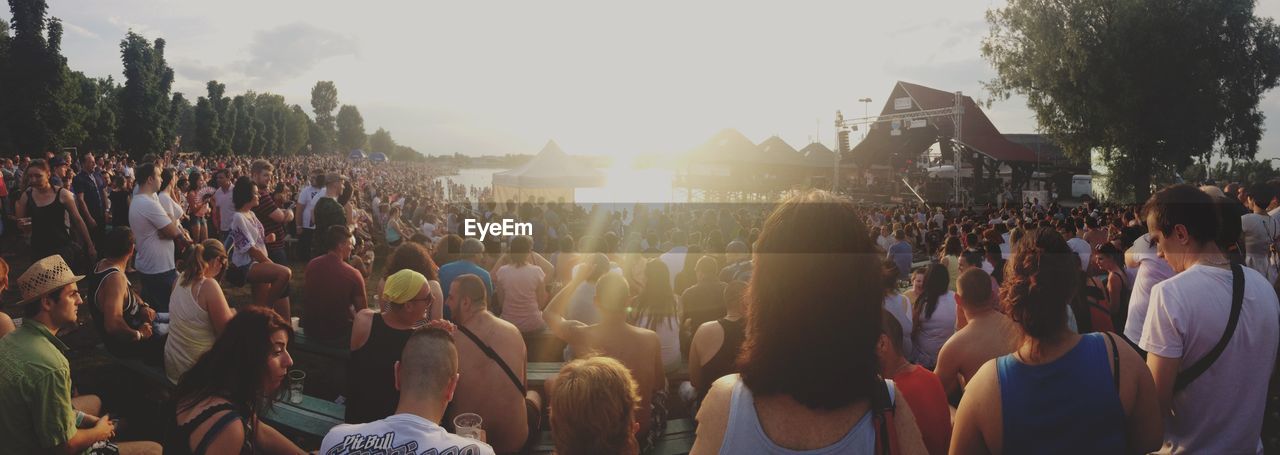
<point>44,276</point>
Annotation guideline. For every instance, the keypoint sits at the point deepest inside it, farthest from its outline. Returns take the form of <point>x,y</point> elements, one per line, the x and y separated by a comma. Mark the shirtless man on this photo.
<point>488,390</point>
<point>637,348</point>
<point>989,334</point>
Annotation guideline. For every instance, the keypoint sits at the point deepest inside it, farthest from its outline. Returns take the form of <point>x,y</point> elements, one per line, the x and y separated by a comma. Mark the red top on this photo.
<point>928,402</point>
<point>330,289</point>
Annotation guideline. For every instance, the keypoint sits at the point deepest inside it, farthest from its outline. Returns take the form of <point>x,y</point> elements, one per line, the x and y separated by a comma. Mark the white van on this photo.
<point>1081,185</point>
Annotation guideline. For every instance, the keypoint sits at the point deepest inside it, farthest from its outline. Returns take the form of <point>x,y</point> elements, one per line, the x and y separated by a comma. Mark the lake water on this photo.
<point>621,185</point>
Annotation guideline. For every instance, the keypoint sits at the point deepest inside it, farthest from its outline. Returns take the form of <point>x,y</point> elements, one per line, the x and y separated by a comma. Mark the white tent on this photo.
<point>551,175</point>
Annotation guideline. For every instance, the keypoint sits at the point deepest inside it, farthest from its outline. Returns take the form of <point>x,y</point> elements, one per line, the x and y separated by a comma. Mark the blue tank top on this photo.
<point>745,436</point>
<point>1068,406</point>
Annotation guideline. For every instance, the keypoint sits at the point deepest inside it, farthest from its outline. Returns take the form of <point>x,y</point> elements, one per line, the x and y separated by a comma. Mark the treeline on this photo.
<point>44,105</point>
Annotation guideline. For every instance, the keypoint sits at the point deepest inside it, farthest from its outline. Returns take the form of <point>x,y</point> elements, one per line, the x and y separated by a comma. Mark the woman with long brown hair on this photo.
<point>1061,390</point>
<point>809,372</point>
<point>655,309</point>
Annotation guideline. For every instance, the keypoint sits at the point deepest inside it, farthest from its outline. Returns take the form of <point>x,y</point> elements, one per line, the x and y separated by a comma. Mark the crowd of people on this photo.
<point>813,324</point>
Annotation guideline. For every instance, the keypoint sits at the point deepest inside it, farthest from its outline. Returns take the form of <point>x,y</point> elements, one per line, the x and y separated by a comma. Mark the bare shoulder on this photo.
<point>985,384</point>
<point>713,416</point>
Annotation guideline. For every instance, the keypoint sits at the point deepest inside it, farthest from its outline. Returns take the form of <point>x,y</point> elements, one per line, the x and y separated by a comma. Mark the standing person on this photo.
<point>933,316</point>
<point>1211,327</point>
<point>333,291</point>
<point>250,262</point>
<point>377,339</point>
<point>716,344</point>
<point>1152,269</point>
<point>220,401</point>
<point>521,285</point>
<point>155,232</point>
<point>330,209</point>
<point>897,304</point>
<point>272,217</point>
<point>920,387</point>
<point>224,207</point>
<point>88,186</point>
<point>37,412</point>
<point>469,258</point>
<point>594,410</point>
<point>802,300</point>
<point>198,206</point>
<point>1119,285</point>
<point>950,259</point>
<point>1260,231</point>
<point>987,335</point>
<point>491,355</point>
<point>900,253</point>
<point>119,201</point>
<point>128,326</point>
<point>426,380</point>
<point>1101,396</point>
<point>307,200</point>
<point>48,208</point>
<point>199,312</point>
<point>1078,245</point>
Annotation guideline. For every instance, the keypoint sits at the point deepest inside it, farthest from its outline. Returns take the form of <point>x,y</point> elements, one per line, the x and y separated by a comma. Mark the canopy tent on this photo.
<point>551,175</point>
<point>356,154</point>
<point>378,157</point>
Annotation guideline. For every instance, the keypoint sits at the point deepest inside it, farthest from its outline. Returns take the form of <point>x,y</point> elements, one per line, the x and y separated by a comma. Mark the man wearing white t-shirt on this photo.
<point>426,376</point>
<point>153,232</point>
<point>307,200</point>
<point>1221,410</point>
<point>222,203</point>
<point>1078,245</point>
<point>1152,269</point>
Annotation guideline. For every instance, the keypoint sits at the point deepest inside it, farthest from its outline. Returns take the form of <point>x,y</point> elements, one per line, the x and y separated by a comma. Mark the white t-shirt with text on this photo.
<point>400,433</point>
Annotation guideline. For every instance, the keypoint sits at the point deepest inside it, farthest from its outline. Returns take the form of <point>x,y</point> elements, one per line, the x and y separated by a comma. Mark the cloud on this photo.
<point>195,70</point>
<point>80,31</point>
<point>288,51</point>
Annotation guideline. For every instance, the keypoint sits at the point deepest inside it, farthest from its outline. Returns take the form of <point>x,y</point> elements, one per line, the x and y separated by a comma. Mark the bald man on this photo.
<point>426,376</point>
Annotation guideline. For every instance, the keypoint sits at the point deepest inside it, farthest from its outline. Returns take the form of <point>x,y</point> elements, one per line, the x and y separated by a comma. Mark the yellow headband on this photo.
<point>403,286</point>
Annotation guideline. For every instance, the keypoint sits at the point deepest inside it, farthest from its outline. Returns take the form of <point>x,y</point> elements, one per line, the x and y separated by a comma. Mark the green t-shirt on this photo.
<point>35,391</point>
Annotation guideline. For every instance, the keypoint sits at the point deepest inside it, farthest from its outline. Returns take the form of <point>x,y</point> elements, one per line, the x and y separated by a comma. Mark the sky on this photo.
<point>600,78</point>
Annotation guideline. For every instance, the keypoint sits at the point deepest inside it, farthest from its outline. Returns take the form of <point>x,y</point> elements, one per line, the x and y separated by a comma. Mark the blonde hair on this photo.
<point>593,408</point>
<point>198,259</point>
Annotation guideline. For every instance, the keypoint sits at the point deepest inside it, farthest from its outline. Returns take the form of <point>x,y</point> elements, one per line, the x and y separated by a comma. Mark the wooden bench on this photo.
<point>153,374</point>
<point>309,420</point>
<point>536,373</point>
<point>677,440</point>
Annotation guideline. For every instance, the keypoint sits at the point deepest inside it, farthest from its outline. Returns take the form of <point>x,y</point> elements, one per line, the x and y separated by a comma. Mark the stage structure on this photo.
<point>551,175</point>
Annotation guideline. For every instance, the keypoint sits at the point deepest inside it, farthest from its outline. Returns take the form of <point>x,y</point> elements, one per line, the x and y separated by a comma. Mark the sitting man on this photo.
<point>918,385</point>
<point>637,348</point>
<point>334,290</point>
<point>703,302</point>
<point>988,335</point>
<point>37,413</point>
<point>469,261</point>
<point>377,340</point>
<point>426,378</point>
<point>715,345</point>
<point>491,356</point>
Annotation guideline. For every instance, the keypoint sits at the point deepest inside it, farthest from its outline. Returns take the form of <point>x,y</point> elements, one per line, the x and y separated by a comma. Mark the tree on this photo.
<point>296,130</point>
<point>246,135</point>
<point>1151,84</point>
<point>145,103</point>
<point>406,153</point>
<point>98,98</point>
<point>182,117</point>
<point>36,91</point>
<point>324,99</point>
<point>381,142</point>
<point>350,128</point>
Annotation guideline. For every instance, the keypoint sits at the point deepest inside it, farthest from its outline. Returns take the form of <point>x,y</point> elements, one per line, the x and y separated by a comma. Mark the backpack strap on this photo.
<point>882,409</point>
<point>1237,303</point>
<point>488,351</point>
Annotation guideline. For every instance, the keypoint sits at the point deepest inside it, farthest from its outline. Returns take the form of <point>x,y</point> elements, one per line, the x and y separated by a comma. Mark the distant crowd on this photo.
<point>812,324</point>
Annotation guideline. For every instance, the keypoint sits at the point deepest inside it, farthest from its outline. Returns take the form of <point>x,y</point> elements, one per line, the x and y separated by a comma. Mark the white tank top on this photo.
<point>190,331</point>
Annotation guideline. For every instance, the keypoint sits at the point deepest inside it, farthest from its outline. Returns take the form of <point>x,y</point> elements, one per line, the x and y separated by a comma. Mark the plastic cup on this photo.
<point>295,321</point>
<point>296,378</point>
<point>468,425</point>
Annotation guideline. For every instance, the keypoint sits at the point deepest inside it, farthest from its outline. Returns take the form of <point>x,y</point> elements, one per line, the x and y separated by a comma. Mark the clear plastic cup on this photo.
<point>468,425</point>
<point>296,378</point>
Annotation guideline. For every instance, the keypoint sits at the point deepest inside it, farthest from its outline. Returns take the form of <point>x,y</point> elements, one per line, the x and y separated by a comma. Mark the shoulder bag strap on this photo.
<point>488,351</point>
<point>885,430</point>
<point>1237,302</point>
<point>1115,361</point>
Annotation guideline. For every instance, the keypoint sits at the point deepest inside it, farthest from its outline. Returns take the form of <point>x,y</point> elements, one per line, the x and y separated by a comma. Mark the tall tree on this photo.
<point>381,142</point>
<point>145,103</point>
<point>324,99</point>
<point>182,117</point>
<point>99,100</point>
<point>36,102</point>
<point>1151,84</point>
<point>296,130</point>
<point>350,128</point>
<point>246,135</point>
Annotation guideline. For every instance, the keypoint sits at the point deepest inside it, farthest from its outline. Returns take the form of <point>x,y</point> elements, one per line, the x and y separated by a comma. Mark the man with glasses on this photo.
<point>333,291</point>
<point>377,340</point>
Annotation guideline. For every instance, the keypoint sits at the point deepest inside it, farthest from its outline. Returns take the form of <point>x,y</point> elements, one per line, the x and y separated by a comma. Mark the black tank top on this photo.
<point>132,312</point>
<point>371,385</point>
<point>722,363</point>
<point>48,225</point>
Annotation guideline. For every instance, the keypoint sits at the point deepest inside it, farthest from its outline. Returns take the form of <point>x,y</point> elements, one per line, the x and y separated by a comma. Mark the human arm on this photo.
<point>980,408</point>
<point>568,331</point>
<point>270,440</point>
<point>20,208</point>
<point>83,438</point>
<point>360,328</point>
<point>695,355</point>
<point>110,299</point>
<point>1144,425</point>
<point>83,208</point>
<point>215,304</point>
<point>69,201</point>
<point>948,367</point>
<point>713,417</point>
<point>542,263</point>
<point>1164,372</point>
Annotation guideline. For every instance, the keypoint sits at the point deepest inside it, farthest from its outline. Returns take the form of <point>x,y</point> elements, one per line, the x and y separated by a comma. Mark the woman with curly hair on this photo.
<point>1059,390</point>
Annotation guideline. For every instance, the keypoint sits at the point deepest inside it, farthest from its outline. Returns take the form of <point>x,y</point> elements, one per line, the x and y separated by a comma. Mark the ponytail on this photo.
<point>198,258</point>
